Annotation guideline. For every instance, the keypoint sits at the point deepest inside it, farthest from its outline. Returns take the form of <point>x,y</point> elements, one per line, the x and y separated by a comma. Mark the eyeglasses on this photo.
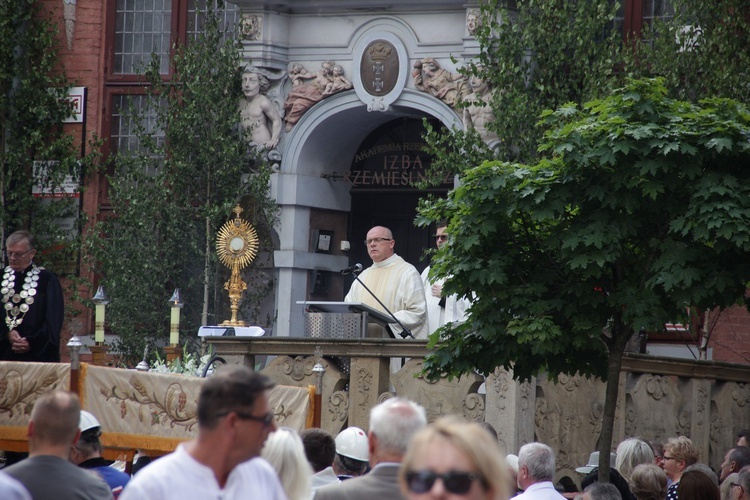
<point>455,482</point>
<point>17,255</point>
<point>266,419</point>
<point>735,485</point>
<point>376,240</point>
<point>441,237</point>
<point>665,458</point>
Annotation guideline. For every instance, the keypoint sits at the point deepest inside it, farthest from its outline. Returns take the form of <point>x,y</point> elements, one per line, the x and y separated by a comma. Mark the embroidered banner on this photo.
<point>137,410</point>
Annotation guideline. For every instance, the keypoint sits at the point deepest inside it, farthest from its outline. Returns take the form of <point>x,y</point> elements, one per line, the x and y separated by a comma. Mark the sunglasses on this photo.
<point>455,482</point>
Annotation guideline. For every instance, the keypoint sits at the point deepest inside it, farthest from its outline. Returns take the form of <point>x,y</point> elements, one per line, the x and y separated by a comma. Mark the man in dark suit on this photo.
<point>33,303</point>
<point>393,423</point>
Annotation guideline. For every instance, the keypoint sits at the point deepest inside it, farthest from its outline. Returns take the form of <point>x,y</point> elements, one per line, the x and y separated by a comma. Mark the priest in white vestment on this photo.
<point>395,282</point>
<point>442,309</point>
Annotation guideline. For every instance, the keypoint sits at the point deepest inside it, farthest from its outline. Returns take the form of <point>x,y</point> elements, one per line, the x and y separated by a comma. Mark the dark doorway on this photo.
<point>383,171</point>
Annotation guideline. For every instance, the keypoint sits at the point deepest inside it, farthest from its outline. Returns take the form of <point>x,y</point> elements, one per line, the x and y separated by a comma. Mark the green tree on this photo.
<point>541,54</point>
<point>170,196</point>
<point>33,105</point>
<point>639,210</point>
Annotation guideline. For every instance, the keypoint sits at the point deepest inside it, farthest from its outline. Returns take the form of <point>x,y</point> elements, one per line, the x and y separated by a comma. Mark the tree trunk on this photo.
<point>617,345</point>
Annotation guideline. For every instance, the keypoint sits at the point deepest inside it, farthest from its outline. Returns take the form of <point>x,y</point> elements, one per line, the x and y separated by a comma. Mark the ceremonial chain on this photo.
<point>17,304</point>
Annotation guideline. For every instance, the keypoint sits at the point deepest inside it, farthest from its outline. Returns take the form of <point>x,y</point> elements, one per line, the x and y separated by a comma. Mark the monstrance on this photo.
<point>237,246</point>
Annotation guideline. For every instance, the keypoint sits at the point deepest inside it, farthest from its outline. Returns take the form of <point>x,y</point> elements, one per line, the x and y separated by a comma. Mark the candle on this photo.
<point>174,326</point>
<point>99,323</point>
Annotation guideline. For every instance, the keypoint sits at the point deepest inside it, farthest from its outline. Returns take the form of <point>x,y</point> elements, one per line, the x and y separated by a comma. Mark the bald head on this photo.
<point>54,419</point>
<point>380,244</point>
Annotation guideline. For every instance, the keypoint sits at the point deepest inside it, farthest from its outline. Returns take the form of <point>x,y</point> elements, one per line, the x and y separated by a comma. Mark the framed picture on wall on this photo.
<point>324,241</point>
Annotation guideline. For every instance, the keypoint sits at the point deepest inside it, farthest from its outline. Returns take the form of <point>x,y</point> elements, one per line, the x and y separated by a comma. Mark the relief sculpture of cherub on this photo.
<point>430,77</point>
<point>310,88</point>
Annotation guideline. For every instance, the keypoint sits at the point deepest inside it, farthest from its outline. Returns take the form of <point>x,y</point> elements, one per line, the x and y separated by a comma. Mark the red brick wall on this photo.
<point>730,338</point>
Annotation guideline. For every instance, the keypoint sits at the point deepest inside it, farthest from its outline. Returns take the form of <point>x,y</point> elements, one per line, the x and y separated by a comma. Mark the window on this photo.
<point>141,28</point>
<point>637,16</point>
<point>135,30</point>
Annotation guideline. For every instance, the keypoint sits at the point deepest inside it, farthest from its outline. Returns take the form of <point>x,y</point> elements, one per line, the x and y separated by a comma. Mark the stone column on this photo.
<point>510,409</point>
<point>700,423</point>
<point>368,378</point>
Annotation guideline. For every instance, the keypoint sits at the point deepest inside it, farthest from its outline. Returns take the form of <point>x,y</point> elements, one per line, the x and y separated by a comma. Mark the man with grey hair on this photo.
<point>536,470</point>
<point>393,423</point>
<point>33,303</point>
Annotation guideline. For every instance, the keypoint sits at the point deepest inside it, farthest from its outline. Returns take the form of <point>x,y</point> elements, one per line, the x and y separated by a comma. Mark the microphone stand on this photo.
<point>405,332</point>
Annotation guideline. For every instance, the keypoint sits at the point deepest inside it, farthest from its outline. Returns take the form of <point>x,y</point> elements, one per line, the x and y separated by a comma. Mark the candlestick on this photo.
<point>99,323</point>
<point>101,300</point>
<point>174,326</point>
<point>174,323</point>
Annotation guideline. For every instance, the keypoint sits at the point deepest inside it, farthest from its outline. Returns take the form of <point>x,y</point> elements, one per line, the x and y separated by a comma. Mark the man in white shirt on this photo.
<point>394,281</point>
<point>536,470</point>
<point>234,420</point>
<point>442,309</point>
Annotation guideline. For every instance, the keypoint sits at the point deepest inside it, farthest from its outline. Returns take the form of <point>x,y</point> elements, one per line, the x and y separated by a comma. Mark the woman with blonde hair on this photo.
<point>679,454</point>
<point>631,453</point>
<point>285,452</point>
<point>452,457</point>
<point>648,482</point>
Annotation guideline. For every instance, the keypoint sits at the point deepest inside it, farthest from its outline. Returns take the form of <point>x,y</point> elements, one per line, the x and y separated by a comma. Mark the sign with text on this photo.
<point>391,164</point>
<point>77,98</point>
<point>44,188</point>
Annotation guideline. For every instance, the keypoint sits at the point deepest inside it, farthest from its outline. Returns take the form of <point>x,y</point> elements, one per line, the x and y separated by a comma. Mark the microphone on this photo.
<point>356,268</point>
<point>405,332</point>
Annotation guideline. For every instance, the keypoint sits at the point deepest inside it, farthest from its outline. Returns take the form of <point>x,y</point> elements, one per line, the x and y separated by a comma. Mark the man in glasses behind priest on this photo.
<point>395,282</point>
<point>442,309</point>
<point>32,304</point>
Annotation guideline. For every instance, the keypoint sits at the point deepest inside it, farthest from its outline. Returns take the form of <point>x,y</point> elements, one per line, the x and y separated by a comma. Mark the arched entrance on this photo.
<point>314,192</point>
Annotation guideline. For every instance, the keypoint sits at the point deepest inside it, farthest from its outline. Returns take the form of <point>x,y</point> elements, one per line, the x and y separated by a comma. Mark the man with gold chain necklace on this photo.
<point>32,302</point>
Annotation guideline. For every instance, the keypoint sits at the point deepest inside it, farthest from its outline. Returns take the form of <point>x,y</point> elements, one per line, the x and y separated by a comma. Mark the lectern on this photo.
<point>344,320</point>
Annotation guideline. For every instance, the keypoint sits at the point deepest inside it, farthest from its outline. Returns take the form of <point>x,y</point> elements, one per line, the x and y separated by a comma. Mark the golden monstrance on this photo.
<point>237,246</point>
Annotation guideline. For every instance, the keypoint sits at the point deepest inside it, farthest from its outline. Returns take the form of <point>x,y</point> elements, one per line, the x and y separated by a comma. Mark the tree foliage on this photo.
<point>33,105</point>
<point>638,212</point>
<point>624,219</point>
<point>540,54</point>
<point>170,196</point>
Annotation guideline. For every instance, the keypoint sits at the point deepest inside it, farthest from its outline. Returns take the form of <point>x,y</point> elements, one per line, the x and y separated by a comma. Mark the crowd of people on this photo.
<point>240,453</point>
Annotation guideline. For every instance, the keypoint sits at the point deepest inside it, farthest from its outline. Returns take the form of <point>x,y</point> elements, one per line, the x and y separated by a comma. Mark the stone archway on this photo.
<point>322,143</point>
